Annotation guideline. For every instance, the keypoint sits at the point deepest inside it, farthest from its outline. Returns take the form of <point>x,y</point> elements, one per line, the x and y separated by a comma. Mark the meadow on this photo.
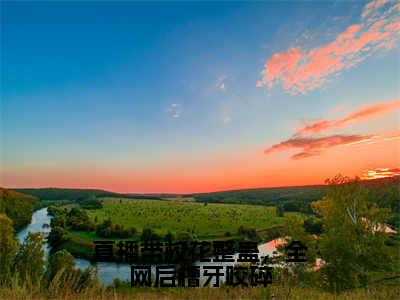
<point>203,220</point>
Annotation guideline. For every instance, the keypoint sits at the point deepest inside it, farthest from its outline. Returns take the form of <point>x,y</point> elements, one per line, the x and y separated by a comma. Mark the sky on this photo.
<point>184,97</point>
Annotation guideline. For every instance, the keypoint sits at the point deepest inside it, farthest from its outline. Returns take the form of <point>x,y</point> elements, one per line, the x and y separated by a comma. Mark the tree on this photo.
<point>79,220</point>
<point>296,273</point>
<point>313,225</point>
<point>169,237</point>
<point>29,262</point>
<point>91,202</point>
<point>280,211</point>
<point>352,244</point>
<point>60,220</point>
<point>249,233</point>
<point>147,234</point>
<point>8,248</point>
<point>294,231</point>
<point>61,261</point>
<point>61,273</point>
<point>19,210</point>
<point>57,236</point>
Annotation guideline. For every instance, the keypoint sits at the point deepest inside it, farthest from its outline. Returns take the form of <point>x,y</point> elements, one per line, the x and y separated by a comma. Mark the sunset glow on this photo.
<point>198,97</point>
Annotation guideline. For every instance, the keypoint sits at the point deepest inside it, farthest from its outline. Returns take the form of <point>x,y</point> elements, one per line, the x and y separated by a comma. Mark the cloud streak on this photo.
<point>220,84</point>
<point>313,146</point>
<point>380,173</point>
<point>299,70</point>
<point>362,114</point>
<point>175,110</point>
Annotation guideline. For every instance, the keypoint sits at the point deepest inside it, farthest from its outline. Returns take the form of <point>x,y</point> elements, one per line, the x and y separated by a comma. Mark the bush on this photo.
<point>148,234</point>
<point>169,237</point>
<point>57,237</point>
<point>280,211</point>
<point>79,220</point>
<point>313,226</point>
<point>91,203</point>
<point>107,229</point>
<point>248,232</point>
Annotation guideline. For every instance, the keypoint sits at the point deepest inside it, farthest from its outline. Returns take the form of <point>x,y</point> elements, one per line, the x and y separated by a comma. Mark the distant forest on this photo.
<point>76,195</point>
<point>385,192</point>
<point>291,198</point>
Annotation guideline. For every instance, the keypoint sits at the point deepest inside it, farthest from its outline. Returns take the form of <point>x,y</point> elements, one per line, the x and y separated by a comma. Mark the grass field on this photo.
<point>205,221</point>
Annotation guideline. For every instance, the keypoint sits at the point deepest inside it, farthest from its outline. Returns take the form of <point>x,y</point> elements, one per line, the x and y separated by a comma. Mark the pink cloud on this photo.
<point>299,70</point>
<point>312,146</point>
<point>361,114</point>
<point>372,6</point>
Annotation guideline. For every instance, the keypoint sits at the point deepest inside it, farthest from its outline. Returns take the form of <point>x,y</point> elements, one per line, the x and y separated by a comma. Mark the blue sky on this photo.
<point>129,86</point>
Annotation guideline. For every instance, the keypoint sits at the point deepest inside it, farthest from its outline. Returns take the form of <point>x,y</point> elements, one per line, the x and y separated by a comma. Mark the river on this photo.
<point>107,271</point>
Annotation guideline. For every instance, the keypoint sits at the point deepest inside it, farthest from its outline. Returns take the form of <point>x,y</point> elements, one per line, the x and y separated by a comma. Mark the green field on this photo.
<point>205,221</point>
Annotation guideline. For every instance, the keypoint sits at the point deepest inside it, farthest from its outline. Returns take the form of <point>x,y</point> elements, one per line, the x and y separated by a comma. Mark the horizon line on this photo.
<point>183,194</point>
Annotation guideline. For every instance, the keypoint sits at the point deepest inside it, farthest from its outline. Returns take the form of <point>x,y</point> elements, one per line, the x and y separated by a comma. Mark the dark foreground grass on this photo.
<point>272,292</point>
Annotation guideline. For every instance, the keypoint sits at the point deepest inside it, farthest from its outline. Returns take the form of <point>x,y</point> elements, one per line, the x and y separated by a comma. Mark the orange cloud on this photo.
<point>361,114</point>
<point>380,173</point>
<point>299,70</point>
<point>312,146</point>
